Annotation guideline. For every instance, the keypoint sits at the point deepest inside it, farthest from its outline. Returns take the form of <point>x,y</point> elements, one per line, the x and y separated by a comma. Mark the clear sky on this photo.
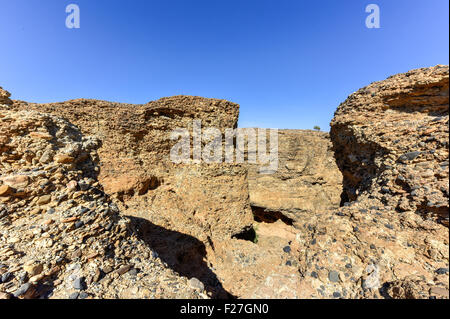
<point>287,63</point>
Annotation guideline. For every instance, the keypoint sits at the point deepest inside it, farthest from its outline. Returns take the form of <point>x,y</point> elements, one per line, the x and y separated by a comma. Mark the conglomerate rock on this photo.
<point>391,140</point>
<point>135,166</point>
<point>4,97</point>
<point>60,235</point>
<point>391,240</point>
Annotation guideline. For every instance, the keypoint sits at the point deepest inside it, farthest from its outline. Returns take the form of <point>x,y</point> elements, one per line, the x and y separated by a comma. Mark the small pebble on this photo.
<point>79,283</point>
<point>333,276</point>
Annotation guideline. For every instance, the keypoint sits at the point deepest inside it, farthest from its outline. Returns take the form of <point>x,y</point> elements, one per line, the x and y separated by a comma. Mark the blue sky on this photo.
<point>287,63</point>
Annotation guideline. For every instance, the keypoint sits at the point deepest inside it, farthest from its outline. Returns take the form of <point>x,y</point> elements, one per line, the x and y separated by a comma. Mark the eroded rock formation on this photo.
<point>389,240</point>
<point>196,216</point>
<point>391,140</point>
<point>307,180</point>
<point>135,166</point>
<point>112,216</point>
<point>60,235</point>
<point>4,97</point>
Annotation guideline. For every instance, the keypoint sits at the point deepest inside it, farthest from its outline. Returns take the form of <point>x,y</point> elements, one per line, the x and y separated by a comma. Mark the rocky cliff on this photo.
<point>60,235</point>
<point>391,238</point>
<point>391,141</point>
<point>4,97</point>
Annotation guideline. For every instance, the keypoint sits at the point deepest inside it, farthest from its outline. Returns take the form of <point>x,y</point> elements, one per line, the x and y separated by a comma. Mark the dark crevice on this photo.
<point>262,215</point>
<point>440,213</point>
<point>165,111</point>
<point>344,199</point>
<point>247,234</point>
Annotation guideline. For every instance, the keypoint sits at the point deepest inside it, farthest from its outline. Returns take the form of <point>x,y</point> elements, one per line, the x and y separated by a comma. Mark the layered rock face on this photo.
<point>307,180</point>
<point>391,143</point>
<point>60,235</point>
<point>135,166</point>
<point>391,140</point>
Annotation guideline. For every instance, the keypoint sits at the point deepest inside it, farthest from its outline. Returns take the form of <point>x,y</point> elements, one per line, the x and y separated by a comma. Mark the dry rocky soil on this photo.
<point>91,206</point>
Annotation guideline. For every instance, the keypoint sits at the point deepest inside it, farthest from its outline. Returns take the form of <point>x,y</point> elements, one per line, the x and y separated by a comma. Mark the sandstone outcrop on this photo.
<point>307,180</point>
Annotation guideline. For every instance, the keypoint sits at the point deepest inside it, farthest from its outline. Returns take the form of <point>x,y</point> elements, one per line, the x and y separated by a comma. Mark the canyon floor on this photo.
<point>91,206</point>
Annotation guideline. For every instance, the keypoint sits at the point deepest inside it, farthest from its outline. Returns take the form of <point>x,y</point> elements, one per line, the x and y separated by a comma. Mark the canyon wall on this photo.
<point>60,235</point>
<point>197,217</point>
<point>135,166</point>
<point>92,206</point>
<point>390,240</point>
<point>391,141</point>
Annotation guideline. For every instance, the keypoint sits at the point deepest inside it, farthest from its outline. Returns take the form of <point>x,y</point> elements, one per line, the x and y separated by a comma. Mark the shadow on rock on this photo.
<point>182,253</point>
